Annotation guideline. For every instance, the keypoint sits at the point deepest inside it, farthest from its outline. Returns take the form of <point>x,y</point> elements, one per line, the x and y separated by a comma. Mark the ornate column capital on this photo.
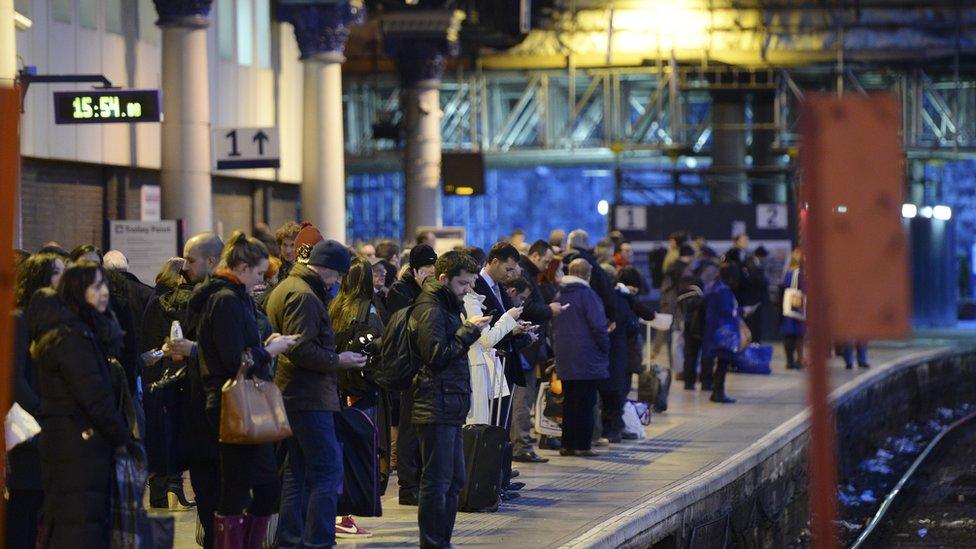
<point>183,13</point>
<point>321,29</point>
<point>421,41</point>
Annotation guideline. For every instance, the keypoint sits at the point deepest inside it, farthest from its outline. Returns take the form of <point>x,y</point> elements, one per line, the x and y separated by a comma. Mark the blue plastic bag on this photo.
<point>754,359</point>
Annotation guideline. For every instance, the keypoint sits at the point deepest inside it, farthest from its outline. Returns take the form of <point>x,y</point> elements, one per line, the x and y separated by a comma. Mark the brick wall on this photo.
<point>61,201</point>
<point>68,201</point>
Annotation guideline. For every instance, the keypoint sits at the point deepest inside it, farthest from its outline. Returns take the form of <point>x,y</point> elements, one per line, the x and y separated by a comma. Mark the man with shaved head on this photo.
<point>202,253</point>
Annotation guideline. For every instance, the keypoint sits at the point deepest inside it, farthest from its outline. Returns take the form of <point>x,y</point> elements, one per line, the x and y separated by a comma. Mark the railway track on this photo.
<point>934,502</point>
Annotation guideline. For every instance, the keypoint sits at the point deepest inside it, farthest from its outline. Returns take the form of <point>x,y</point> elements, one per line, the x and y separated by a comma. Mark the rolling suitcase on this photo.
<point>487,459</point>
<point>359,439</point>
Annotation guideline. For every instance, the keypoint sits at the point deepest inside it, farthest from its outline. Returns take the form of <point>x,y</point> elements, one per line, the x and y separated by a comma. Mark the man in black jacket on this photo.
<point>404,293</point>
<point>442,391</point>
<point>308,381</point>
<point>535,310</point>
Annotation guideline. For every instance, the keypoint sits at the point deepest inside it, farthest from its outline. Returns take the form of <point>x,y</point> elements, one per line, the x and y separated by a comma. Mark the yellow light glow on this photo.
<point>464,191</point>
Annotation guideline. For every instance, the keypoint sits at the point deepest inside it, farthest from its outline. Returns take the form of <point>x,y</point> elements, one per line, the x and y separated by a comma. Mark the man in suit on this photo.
<point>501,267</point>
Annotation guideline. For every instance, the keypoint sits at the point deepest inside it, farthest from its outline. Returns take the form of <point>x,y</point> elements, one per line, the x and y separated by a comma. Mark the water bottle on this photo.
<point>176,332</point>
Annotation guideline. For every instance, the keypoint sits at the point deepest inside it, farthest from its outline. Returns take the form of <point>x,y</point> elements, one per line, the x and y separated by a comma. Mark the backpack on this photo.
<point>397,361</point>
<point>359,337</point>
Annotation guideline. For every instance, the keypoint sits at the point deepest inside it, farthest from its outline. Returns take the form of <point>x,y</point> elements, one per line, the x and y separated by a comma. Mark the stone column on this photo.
<point>8,44</point>
<point>321,31</point>
<point>186,191</point>
<point>421,41</point>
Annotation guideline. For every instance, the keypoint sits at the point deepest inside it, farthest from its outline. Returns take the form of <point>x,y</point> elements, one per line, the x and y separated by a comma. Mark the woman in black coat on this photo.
<point>81,422</point>
<point>24,461</point>
<point>222,314</point>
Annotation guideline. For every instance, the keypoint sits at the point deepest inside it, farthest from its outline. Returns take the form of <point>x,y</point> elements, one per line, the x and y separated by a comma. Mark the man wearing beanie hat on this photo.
<point>307,378</point>
<point>405,291</point>
<point>402,294</point>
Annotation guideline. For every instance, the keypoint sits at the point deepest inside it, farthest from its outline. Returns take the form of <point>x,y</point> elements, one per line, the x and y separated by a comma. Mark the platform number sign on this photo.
<point>772,216</point>
<point>630,218</point>
<point>237,148</point>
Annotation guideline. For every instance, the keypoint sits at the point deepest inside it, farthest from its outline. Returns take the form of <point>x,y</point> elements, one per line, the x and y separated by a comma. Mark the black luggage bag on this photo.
<point>484,448</point>
<point>359,439</point>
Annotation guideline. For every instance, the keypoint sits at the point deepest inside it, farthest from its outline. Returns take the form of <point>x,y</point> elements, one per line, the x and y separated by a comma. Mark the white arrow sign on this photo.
<point>236,148</point>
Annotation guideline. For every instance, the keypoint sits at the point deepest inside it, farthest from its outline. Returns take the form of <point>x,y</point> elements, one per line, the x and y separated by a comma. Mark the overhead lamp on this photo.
<point>926,212</point>
<point>942,213</point>
<point>909,211</point>
<point>603,207</point>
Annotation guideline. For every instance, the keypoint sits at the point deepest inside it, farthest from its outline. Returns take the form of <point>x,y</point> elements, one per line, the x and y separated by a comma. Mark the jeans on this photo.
<point>524,399</point>
<point>579,401</point>
<point>442,455</point>
<point>862,354</point>
<point>408,449</point>
<point>313,473</point>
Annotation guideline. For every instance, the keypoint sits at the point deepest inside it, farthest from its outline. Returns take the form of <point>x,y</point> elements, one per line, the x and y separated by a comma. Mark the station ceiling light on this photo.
<point>603,207</point>
<point>926,212</point>
<point>943,213</point>
<point>909,211</point>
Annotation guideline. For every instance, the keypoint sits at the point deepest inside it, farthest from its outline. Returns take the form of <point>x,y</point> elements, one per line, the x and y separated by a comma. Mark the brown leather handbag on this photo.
<point>251,409</point>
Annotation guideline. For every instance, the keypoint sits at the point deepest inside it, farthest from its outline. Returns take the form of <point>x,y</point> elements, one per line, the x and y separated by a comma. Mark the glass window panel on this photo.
<point>245,32</point>
<point>148,31</point>
<point>88,14</point>
<point>61,10</point>
<point>113,16</point>
<point>225,28</point>
<point>262,20</point>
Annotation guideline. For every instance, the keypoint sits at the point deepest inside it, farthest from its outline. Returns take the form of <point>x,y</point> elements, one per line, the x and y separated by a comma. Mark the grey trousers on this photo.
<point>523,400</point>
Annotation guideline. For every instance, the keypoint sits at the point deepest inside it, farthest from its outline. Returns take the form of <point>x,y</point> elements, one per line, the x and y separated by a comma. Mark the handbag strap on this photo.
<point>795,279</point>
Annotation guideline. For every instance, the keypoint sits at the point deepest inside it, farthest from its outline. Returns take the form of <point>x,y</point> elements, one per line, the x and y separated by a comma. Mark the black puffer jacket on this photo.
<point>81,423</point>
<point>442,387</point>
<point>307,372</point>
<point>160,313</point>
<point>402,294</point>
<point>224,322</point>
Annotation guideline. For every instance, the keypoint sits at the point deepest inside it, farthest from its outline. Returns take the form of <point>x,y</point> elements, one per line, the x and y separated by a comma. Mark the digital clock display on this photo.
<point>106,106</point>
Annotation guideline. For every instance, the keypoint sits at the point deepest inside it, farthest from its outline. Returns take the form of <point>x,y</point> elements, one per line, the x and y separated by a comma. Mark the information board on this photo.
<point>146,244</point>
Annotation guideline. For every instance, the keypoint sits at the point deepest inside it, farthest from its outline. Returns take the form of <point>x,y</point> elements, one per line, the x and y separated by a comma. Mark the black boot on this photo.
<point>176,497</point>
<point>718,386</point>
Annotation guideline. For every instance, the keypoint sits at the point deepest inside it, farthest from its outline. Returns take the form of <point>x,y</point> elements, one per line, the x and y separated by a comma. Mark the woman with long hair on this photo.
<point>222,315</point>
<point>82,424</point>
<point>24,462</point>
<point>353,315</point>
<point>793,329</point>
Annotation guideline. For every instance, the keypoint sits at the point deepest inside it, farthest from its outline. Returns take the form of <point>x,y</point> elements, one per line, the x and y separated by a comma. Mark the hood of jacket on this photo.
<point>202,293</point>
<point>175,302</point>
<point>573,283</point>
<point>49,319</point>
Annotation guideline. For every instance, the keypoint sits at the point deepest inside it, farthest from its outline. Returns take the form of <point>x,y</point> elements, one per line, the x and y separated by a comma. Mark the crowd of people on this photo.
<point>480,330</point>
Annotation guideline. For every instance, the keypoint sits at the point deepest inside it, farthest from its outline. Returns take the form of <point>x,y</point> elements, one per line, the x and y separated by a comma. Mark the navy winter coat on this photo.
<point>581,340</point>
<point>721,322</point>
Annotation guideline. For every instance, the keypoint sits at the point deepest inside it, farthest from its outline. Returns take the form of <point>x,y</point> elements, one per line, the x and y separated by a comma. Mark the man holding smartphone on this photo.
<point>441,391</point>
<point>307,378</point>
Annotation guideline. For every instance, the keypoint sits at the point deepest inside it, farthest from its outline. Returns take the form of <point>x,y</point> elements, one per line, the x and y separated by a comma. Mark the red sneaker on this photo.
<point>347,528</point>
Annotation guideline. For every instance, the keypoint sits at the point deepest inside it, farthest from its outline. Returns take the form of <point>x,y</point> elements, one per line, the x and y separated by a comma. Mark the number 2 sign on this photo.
<point>772,216</point>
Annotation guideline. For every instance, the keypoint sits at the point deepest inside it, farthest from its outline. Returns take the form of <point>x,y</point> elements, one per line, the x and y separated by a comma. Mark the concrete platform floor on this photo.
<point>569,500</point>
